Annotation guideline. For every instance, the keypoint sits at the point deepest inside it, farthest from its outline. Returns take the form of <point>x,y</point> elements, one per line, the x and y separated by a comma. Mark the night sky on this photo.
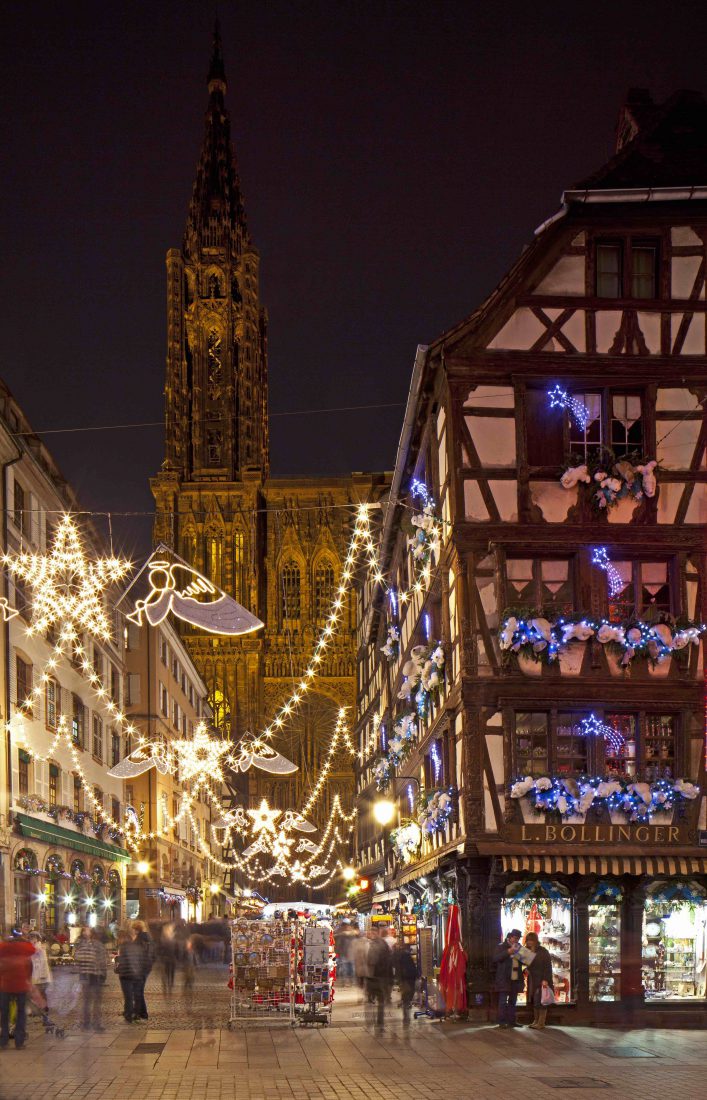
<point>395,158</point>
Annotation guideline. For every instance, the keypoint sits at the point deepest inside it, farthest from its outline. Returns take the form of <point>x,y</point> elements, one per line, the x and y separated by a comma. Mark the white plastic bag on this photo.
<point>547,996</point>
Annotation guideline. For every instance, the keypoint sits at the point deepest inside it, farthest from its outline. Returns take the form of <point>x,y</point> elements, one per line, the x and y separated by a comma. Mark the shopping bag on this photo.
<point>547,996</point>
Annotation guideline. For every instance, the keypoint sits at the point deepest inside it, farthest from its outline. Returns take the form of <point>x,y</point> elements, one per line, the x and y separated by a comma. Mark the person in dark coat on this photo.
<point>539,977</point>
<point>146,962</point>
<point>405,974</point>
<point>128,967</point>
<point>380,975</point>
<point>509,977</point>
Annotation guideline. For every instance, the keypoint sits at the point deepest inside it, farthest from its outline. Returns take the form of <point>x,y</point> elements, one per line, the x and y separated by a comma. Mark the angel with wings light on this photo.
<point>202,757</point>
<point>176,587</point>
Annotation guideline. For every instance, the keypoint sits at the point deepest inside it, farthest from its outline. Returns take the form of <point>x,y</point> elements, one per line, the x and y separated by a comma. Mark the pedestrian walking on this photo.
<point>167,957</point>
<point>41,973</point>
<point>509,977</point>
<point>127,965</point>
<point>146,962</point>
<point>405,974</point>
<point>15,983</point>
<point>380,976</point>
<point>91,960</point>
<point>539,978</point>
<point>359,952</point>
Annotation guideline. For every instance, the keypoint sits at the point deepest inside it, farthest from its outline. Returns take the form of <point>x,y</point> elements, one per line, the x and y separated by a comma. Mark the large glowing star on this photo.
<point>203,755</point>
<point>182,590</point>
<point>263,818</point>
<point>67,588</point>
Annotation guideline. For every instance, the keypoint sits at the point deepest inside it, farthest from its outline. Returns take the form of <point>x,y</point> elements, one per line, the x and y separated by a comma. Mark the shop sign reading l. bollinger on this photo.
<point>565,833</point>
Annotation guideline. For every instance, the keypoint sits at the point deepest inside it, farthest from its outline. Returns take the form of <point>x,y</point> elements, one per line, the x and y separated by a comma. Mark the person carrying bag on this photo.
<point>540,988</point>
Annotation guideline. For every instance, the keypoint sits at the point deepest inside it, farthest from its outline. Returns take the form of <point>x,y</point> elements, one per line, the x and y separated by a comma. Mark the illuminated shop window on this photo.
<point>674,942</point>
<point>543,908</point>
<point>605,943</point>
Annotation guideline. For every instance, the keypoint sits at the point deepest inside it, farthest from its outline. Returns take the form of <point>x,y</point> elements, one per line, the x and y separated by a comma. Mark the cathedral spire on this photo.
<point>216,215</point>
<point>217,377</point>
<point>217,70</point>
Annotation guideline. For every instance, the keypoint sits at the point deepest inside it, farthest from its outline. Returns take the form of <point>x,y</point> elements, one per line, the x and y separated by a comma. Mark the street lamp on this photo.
<point>143,867</point>
<point>348,873</point>
<point>384,811</point>
<point>214,888</point>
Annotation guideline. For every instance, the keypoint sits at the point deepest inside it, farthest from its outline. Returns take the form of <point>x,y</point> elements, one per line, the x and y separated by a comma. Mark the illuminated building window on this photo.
<point>324,586</point>
<point>290,591</point>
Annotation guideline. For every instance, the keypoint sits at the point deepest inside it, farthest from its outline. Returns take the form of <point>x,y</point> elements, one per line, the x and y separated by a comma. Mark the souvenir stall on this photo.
<point>544,908</point>
<point>262,972</point>
<point>315,972</point>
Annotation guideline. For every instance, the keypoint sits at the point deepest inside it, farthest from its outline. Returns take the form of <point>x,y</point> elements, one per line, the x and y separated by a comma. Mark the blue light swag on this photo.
<point>574,797</point>
<point>428,531</point>
<point>382,773</point>
<point>534,636</point>
<point>611,480</point>
<point>537,890</point>
<point>435,809</point>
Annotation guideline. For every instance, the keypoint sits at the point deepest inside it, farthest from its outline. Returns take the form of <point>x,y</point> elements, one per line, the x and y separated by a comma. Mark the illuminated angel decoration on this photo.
<point>6,611</point>
<point>263,756</point>
<point>203,757</point>
<point>178,588</point>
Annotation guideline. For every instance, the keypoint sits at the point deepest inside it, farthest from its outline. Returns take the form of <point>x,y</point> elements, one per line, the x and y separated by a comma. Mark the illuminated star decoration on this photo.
<point>201,756</point>
<point>560,398</point>
<point>66,587</point>
<point>613,577</point>
<point>263,818</point>
<point>592,727</point>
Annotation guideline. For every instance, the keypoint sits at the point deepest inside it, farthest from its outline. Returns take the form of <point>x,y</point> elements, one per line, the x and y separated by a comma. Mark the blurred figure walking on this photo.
<point>15,983</point>
<point>405,974</point>
<point>146,960</point>
<point>127,967</point>
<point>41,973</point>
<point>167,957</point>
<point>380,976</point>
<point>91,960</point>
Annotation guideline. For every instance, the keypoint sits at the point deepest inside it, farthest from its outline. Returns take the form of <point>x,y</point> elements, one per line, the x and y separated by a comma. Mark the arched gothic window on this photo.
<point>239,588</point>
<point>214,286</point>
<point>324,582</point>
<point>214,553</point>
<point>290,591</point>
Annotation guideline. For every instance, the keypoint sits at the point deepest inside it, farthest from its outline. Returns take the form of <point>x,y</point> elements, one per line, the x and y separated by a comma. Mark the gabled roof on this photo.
<point>657,145</point>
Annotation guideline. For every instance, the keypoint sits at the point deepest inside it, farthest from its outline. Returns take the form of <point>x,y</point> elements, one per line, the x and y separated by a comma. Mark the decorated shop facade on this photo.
<point>560,434</point>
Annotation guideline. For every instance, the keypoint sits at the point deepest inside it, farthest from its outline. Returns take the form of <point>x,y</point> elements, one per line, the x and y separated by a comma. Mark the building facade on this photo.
<point>561,430</point>
<point>170,877</point>
<point>62,863</point>
<point>276,545</point>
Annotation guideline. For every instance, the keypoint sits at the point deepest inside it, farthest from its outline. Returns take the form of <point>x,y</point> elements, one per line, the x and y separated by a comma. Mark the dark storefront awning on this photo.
<point>54,834</point>
<point>601,865</point>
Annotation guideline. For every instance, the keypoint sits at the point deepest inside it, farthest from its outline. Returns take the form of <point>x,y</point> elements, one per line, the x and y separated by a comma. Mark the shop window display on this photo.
<point>675,943</point>
<point>543,908</point>
<point>605,943</point>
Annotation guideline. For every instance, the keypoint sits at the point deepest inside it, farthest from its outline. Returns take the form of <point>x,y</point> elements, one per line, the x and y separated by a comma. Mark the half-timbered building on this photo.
<point>561,430</point>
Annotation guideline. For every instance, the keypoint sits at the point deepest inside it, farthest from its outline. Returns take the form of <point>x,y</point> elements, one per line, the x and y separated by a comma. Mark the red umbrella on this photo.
<point>452,971</point>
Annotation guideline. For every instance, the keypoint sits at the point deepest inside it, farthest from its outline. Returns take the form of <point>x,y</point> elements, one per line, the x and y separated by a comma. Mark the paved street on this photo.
<point>184,1059</point>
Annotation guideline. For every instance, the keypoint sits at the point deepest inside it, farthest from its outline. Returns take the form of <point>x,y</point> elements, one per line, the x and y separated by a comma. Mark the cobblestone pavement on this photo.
<point>344,1062</point>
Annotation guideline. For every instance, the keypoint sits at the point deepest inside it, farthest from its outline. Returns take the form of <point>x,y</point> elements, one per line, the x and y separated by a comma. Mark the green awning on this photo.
<point>54,834</point>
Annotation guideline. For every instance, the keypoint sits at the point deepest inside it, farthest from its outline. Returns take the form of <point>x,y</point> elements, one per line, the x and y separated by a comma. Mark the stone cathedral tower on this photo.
<point>276,545</point>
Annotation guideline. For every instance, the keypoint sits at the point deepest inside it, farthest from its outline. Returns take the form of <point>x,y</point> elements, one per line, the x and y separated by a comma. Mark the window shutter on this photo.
<point>133,689</point>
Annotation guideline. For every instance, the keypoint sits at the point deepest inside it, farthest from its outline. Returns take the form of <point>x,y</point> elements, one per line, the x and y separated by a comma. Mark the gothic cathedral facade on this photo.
<point>275,544</point>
